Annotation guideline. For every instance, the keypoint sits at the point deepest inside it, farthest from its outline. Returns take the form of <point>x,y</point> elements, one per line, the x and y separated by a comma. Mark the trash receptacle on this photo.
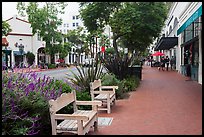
<point>136,70</point>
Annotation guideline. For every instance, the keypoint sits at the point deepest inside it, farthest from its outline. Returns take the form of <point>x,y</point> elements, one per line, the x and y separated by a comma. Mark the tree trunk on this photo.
<point>52,58</point>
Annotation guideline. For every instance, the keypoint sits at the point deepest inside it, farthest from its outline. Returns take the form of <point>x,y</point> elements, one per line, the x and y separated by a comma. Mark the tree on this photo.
<point>44,20</point>
<point>130,24</point>
<point>30,58</point>
<point>5,28</point>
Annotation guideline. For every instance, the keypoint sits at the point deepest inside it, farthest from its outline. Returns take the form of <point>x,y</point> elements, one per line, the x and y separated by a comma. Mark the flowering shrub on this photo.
<point>25,109</point>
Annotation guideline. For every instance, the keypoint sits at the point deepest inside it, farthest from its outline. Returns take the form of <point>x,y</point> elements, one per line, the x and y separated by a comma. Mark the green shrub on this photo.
<point>30,57</point>
<point>131,83</point>
<point>51,66</point>
<point>85,96</point>
<point>86,75</point>
<point>110,80</point>
<point>124,86</point>
<point>25,109</point>
<point>61,84</point>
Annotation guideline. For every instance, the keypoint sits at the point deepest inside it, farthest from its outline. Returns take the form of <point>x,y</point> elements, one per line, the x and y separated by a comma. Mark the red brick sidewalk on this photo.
<point>164,103</point>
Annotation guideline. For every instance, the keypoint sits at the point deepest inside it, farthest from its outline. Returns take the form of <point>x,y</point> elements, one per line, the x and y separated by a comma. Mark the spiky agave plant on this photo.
<point>85,75</point>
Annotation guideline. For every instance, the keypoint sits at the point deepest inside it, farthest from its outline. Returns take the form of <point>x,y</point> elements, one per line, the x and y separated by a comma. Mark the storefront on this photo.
<point>6,54</point>
<point>189,35</point>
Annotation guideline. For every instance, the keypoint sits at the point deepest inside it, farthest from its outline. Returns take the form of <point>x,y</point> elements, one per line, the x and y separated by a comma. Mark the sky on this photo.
<point>9,9</point>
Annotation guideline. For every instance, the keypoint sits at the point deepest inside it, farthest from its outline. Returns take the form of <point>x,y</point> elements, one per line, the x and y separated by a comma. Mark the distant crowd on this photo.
<point>163,64</point>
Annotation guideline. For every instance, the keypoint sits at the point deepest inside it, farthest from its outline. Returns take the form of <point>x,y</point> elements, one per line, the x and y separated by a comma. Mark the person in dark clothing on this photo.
<point>167,63</point>
<point>162,63</point>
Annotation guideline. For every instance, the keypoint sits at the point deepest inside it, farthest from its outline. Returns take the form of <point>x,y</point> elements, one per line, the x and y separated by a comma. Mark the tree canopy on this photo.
<point>5,28</point>
<point>136,22</point>
<point>44,20</point>
<point>134,25</point>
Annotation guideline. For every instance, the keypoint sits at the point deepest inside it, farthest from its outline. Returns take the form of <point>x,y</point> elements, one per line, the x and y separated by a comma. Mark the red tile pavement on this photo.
<point>164,104</point>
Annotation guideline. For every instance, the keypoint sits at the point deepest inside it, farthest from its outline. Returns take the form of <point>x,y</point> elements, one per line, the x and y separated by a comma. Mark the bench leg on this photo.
<point>96,125</point>
<point>114,101</point>
<point>108,108</point>
<point>80,127</point>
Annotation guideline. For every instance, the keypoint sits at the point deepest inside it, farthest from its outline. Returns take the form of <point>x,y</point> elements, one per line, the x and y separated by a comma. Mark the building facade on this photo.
<point>181,37</point>
<point>21,40</point>
<point>73,21</point>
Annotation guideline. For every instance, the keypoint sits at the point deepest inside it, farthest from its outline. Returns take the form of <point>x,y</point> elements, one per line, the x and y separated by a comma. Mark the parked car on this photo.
<point>87,62</point>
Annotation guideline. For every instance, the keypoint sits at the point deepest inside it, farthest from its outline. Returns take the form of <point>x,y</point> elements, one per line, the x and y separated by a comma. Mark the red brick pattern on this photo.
<point>164,104</point>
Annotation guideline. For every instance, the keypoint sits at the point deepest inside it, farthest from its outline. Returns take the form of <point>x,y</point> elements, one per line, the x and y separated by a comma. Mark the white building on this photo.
<point>22,34</point>
<point>182,38</point>
<point>71,22</point>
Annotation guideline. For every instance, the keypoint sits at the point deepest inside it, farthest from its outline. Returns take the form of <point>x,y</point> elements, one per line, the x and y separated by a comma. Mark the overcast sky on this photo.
<point>9,9</point>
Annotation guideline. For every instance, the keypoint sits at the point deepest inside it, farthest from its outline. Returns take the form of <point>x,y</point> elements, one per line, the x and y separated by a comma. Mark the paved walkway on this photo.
<point>164,103</point>
<point>24,70</point>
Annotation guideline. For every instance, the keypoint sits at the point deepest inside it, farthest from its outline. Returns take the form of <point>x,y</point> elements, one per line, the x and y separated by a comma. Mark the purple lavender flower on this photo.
<point>31,86</point>
<point>9,83</point>
<point>44,78</point>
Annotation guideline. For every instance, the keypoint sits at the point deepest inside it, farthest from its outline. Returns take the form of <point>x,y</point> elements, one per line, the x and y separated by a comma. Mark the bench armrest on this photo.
<point>71,116</point>
<point>109,87</point>
<point>99,103</point>
<point>104,92</point>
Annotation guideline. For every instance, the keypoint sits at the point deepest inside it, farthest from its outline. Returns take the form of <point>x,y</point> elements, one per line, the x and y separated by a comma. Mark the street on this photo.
<point>60,74</point>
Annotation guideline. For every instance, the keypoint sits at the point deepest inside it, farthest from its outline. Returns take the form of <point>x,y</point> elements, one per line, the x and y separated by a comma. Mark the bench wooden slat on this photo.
<point>72,124</point>
<point>106,96</point>
<point>103,96</point>
<point>79,122</point>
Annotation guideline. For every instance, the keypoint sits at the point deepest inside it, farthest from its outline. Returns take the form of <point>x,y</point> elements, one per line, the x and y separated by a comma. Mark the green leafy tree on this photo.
<point>5,28</point>
<point>134,25</point>
<point>78,39</point>
<point>30,58</point>
<point>44,20</point>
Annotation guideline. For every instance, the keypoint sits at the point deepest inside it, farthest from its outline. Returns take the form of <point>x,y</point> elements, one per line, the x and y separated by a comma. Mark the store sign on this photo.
<point>193,17</point>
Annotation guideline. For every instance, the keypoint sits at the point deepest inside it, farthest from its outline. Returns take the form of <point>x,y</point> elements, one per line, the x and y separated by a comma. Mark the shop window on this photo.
<point>196,27</point>
<point>189,33</point>
<point>196,53</point>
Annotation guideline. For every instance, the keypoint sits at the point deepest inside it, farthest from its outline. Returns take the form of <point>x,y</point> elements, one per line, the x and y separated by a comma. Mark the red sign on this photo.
<point>103,49</point>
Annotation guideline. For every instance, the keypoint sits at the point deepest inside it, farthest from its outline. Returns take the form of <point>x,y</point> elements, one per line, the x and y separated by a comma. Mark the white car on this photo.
<point>87,62</point>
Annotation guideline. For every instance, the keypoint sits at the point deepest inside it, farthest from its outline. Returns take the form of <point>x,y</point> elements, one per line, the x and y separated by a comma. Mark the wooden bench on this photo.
<point>79,122</point>
<point>107,96</point>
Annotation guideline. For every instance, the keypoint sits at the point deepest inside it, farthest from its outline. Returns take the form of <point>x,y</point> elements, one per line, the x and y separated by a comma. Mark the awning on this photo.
<point>17,53</point>
<point>4,42</point>
<point>165,43</point>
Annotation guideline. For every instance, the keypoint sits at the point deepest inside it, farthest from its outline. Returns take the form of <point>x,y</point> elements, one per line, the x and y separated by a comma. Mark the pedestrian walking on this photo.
<point>162,64</point>
<point>167,63</point>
